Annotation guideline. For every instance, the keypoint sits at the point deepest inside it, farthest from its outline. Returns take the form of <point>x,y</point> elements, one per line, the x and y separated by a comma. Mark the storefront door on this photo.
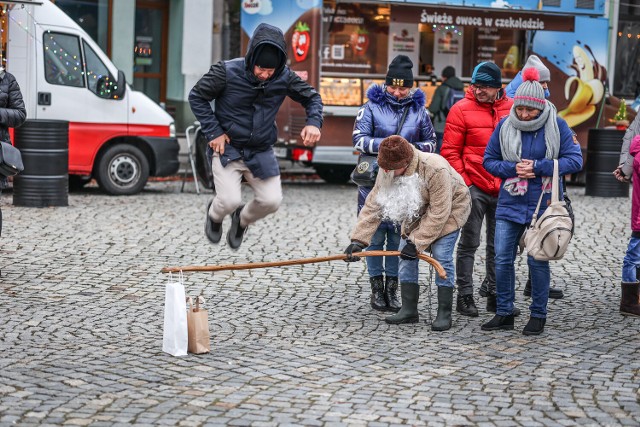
<point>150,48</point>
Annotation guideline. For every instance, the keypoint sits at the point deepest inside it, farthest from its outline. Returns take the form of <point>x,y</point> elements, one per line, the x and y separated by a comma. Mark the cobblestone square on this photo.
<point>81,310</point>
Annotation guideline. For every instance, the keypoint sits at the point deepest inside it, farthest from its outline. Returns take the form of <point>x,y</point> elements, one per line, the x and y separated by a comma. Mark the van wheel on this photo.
<point>122,170</point>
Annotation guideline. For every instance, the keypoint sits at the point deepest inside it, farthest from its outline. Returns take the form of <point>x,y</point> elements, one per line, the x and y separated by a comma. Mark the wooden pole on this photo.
<point>341,257</point>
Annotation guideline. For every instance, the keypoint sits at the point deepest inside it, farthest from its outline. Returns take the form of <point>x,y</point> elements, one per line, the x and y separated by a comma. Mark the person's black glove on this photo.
<point>351,249</point>
<point>409,252</point>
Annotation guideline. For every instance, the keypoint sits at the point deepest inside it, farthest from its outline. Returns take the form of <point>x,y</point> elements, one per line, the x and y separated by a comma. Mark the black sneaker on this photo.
<point>484,288</point>
<point>236,233</point>
<point>497,323</point>
<point>466,306</point>
<point>212,229</point>
<point>535,326</point>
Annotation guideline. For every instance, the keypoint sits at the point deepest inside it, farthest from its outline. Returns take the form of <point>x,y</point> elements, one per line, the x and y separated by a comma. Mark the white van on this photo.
<point>117,135</point>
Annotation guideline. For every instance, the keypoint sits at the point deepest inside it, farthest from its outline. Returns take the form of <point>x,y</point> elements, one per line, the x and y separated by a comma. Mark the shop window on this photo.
<point>91,15</point>
<point>627,70</point>
<point>62,60</point>
<point>585,4</point>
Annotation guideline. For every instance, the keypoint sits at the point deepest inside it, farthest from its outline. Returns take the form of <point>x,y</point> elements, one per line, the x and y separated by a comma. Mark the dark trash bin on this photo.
<point>603,155</point>
<point>44,145</point>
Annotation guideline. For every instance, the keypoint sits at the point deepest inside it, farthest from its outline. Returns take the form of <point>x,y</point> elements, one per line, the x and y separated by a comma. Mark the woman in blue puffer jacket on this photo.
<point>379,118</point>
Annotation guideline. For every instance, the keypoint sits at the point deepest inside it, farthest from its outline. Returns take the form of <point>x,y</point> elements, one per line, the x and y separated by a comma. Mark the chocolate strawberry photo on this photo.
<point>300,41</point>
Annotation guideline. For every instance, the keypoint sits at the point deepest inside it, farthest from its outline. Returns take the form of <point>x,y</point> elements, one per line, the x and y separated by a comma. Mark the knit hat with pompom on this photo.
<point>530,93</point>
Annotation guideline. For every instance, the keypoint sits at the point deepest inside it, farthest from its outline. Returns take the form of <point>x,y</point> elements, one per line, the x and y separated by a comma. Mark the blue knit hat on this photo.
<point>487,74</point>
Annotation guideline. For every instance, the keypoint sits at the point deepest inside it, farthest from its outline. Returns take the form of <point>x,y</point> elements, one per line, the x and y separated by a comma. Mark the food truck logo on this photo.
<point>359,42</point>
<point>300,41</point>
<point>589,87</point>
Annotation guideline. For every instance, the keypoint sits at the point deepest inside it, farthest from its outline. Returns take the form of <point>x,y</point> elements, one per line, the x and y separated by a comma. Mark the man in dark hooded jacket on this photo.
<point>241,131</point>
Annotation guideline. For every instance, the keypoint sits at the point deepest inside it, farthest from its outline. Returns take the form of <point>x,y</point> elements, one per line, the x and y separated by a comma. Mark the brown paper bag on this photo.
<point>198,328</point>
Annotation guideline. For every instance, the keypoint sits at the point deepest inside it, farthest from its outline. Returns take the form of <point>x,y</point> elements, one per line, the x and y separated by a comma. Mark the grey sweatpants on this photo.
<point>228,180</point>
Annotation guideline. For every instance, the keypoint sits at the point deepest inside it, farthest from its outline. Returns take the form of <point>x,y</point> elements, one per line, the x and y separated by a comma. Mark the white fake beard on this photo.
<point>400,198</point>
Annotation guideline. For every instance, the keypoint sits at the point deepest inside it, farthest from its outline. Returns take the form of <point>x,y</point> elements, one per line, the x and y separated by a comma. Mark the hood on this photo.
<point>266,34</point>
<point>378,95</point>
<point>454,83</point>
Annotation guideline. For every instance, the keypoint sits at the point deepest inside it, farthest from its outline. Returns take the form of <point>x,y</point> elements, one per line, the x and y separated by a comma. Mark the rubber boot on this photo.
<point>445,305</point>
<point>377,293</point>
<point>630,300</point>
<point>409,292</point>
<point>391,294</point>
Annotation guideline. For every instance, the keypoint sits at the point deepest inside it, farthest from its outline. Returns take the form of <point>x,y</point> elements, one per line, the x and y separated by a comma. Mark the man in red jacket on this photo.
<point>469,126</point>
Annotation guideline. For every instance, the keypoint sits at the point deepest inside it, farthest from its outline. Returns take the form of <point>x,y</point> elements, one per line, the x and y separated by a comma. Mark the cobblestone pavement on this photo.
<point>81,310</point>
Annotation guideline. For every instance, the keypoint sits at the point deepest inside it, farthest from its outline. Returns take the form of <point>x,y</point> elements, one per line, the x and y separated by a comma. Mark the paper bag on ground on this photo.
<point>198,327</point>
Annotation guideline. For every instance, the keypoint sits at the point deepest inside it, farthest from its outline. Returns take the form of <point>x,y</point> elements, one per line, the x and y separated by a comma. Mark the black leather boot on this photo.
<point>445,306</point>
<point>378,301</point>
<point>630,300</point>
<point>492,305</point>
<point>498,322</point>
<point>409,293</point>
<point>391,294</point>
<point>535,326</point>
<point>554,293</point>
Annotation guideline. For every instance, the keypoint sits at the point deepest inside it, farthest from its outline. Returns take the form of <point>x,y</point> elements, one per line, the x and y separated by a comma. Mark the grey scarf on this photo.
<point>512,128</point>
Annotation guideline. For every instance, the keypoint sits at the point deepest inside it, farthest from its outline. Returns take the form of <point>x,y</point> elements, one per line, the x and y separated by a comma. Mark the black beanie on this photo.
<point>267,56</point>
<point>449,72</point>
<point>400,72</point>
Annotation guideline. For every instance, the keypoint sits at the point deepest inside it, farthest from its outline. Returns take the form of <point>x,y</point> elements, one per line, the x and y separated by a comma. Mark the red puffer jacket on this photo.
<point>466,134</point>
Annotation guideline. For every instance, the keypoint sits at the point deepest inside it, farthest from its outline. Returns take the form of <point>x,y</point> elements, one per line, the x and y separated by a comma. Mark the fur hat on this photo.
<point>530,93</point>
<point>487,74</point>
<point>400,72</point>
<point>534,62</point>
<point>449,72</point>
<point>267,56</point>
<point>394,152</point>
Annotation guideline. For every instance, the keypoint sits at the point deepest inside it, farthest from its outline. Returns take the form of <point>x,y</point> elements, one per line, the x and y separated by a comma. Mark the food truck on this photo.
<point>341,48</point>
<point>117,135</point>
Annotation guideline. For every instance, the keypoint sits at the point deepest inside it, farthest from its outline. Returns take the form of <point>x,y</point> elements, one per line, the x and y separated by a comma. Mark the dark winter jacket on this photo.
<point>12,111</point>
<point>246,108</point>
<point>466,133</point>
<point>520,209</point>
<point>379,118</point>
<point>438,102</point>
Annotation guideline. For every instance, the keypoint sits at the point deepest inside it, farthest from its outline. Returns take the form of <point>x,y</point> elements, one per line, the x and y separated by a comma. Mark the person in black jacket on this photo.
<point>241,131</point>
<point>12,114</point>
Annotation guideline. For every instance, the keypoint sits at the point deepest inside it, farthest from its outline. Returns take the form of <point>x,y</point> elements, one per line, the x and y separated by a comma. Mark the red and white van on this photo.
<point>117,135</point>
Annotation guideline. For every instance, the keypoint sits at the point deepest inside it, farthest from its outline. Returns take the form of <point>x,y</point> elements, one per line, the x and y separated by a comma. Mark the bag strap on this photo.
<point>404,116</point>
<point>554,190</point>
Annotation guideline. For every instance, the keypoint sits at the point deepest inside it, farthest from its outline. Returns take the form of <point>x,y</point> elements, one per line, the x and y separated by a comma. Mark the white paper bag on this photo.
<point>175,337</point>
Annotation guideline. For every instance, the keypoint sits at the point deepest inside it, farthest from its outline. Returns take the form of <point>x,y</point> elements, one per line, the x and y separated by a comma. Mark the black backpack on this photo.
<point>451,97</point>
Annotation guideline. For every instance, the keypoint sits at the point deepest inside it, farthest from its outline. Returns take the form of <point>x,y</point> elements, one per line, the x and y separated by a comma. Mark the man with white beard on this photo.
<point>429,199</point>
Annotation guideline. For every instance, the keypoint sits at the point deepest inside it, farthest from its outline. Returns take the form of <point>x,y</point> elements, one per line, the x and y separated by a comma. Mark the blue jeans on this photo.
<point>441,251</point>
<point>631,261</point>
<point>508,235</point>
<point>374,263</point>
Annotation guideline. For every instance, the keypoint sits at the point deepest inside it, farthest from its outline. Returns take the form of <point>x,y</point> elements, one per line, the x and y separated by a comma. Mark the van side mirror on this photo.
<point>122,85</point>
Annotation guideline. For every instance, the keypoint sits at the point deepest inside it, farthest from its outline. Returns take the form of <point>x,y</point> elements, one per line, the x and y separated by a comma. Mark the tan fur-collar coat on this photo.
<point>447,204</point>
